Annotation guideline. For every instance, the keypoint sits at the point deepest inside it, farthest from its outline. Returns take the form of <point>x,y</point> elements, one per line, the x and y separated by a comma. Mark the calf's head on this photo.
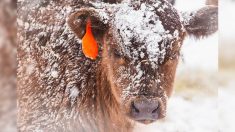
<point>140,44</point>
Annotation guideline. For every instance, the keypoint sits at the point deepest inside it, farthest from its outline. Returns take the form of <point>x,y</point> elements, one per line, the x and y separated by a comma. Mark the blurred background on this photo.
<point>226,98</point>
<point>203,100</point>
<point>8,66</point>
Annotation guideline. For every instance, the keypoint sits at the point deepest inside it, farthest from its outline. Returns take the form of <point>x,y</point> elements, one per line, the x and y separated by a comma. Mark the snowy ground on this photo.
<point>226,102</point>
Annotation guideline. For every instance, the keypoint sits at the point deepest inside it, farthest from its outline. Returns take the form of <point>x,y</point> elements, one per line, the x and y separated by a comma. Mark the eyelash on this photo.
<point>117,54</point>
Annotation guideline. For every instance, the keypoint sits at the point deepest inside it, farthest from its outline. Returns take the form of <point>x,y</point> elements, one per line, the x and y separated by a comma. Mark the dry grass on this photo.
<point>191,83</point>
<point>226,56</point>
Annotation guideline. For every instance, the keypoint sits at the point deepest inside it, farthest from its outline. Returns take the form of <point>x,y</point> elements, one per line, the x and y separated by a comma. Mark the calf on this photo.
<point>61,89</point>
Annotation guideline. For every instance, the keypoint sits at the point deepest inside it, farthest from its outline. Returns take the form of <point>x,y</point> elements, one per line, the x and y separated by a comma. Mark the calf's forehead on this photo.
<point>146,32</point>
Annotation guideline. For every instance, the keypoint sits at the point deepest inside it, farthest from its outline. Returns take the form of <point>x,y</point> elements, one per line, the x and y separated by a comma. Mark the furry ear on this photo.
<point>203,22</point>
<point>88,26</point>
<point>77,22</point>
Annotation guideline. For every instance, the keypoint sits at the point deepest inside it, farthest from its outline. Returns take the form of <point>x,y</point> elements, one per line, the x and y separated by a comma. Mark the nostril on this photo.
<point>156,108</point>
<point>154,111</point>
<point>134,108</point>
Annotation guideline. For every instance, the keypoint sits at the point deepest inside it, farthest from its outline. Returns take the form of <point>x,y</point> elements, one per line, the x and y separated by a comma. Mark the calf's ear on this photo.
<point>78,23</point>
<point>88,26</point>
<point>201,23</point>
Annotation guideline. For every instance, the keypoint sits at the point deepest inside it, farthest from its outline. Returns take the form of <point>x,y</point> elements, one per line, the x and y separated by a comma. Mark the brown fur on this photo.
<point>59,89</point>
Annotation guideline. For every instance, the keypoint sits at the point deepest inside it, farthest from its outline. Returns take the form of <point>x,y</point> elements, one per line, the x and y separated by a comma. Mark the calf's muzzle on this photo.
<point>145,110</point>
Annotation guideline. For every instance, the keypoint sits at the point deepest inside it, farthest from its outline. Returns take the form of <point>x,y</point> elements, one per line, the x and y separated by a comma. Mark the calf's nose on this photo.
<point>144,110</point>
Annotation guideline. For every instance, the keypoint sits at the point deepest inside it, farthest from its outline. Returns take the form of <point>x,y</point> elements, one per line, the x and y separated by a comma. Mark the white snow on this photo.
<point>200,54</point>
<point>226,107</point>
<point>227,19</point>
<point>189,5</point>
<point>73,92</point>
<point>30,69</point>
<point>54,73</point>
<point>134,24</point>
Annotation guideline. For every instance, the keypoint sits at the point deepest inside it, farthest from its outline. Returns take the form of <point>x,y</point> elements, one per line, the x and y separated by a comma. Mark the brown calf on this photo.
<point>59,89</point>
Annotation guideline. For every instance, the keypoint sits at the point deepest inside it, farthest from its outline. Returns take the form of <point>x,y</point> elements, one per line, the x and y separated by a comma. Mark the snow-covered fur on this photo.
<point>59,89</point>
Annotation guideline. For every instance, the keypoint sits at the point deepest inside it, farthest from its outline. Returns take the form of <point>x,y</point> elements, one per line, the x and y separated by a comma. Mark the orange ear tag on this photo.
<point>89,44</point>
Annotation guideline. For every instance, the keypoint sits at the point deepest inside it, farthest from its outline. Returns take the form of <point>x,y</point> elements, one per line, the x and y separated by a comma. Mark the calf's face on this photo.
<point>141,55</point>
<point>140,51</point>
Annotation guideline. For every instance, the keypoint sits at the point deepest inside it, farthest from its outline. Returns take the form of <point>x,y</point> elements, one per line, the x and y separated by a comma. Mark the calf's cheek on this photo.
<point>169,71</point>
